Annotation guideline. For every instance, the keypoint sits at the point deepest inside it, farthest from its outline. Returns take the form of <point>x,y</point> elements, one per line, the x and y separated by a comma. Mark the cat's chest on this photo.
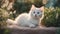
<point>33,21</point>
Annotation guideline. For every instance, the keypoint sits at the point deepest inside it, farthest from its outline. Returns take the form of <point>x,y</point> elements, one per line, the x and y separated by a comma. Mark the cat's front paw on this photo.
<point>32,26</point>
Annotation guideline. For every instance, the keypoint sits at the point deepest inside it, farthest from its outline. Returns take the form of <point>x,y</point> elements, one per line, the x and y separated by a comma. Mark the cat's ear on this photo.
<point>42,8</point>
<point>33,7</point>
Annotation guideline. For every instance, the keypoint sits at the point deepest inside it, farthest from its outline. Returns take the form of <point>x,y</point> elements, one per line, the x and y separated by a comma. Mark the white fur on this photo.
<point>29,19</point>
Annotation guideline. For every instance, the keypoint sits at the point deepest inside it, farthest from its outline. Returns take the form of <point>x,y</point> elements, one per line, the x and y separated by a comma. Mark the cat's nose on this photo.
<point>35,15</point>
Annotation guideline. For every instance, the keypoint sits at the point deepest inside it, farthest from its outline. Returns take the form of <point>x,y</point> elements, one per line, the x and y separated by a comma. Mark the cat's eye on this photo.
<point>37,12</point>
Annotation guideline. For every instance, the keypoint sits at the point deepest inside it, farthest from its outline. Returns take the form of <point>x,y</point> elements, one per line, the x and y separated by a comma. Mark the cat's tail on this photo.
<point>10,21</point>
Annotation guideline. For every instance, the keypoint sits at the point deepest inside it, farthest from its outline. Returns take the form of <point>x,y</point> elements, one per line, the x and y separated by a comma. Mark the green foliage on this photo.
<point>3,13</point>
<point>4,31</point>
<point>3,16</point>
<point>24,5</point>
<point>52,17</point>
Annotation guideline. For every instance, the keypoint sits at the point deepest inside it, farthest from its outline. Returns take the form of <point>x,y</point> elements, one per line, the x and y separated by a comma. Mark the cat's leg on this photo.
<point>32,25</point>
<point>10,21</point>
<point>27,25</point>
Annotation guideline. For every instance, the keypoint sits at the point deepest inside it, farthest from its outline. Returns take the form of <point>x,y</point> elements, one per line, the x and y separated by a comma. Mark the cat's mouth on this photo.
<point>36,16</point>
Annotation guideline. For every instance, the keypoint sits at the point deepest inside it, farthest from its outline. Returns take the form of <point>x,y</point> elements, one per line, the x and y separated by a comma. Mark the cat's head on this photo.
<point>36,12</point>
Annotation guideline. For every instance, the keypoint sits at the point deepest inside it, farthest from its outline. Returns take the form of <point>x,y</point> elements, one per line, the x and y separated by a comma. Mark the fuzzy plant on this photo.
<point>52,17</point>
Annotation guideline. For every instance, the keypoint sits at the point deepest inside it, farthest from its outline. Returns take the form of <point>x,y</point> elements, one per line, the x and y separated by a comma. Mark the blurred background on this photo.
<point>12,8</point>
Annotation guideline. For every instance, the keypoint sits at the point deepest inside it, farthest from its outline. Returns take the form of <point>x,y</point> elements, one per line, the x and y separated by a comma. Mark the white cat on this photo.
<point>30,19</point>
